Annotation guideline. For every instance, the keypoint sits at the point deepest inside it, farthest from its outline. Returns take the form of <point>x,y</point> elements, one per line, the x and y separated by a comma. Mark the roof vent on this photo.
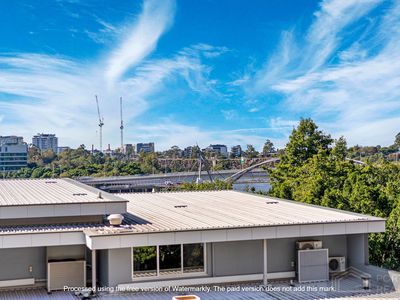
<point>115,219</point>
<point>180,206</point>
<point>100,196</point>
<point>272,202</point>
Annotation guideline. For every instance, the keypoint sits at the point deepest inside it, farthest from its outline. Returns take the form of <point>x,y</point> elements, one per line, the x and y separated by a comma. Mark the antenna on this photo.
<point>122,126</point>
<point>101,123</point>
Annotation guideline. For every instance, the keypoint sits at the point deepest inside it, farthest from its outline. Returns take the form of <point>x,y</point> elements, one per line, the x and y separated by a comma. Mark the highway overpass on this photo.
<point>146,183</point>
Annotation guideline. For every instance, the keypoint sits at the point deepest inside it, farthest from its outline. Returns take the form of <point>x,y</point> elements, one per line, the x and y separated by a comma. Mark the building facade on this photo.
<point>44,142</point>
<point>219,149</point>
<point>191,151</point>
<point>53,232</point>
<point>13,153</point>
<point>62,149</point>
<point>145,147</point>
<point>236,151</point>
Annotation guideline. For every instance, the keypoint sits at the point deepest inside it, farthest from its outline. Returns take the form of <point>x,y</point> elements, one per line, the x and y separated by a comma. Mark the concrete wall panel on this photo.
<point>67,210</point>
<point>119,266</point>
<point>214,235</point>
<point>188,237</point>
<point>239,234</point>
<point>264,233</point>
<point>288,231</point>
<point>238,258</point>
<point>16,263</point>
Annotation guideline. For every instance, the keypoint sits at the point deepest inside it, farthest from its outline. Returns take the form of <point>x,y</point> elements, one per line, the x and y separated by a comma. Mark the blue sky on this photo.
<point>216,71</point>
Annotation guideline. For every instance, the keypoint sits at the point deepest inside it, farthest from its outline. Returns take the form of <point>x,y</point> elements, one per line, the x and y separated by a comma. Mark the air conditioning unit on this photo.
<point>337,264</point>
<point>308,245</point>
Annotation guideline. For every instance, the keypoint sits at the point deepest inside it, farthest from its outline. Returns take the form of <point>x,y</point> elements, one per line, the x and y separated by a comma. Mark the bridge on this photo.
<point>146,183</point>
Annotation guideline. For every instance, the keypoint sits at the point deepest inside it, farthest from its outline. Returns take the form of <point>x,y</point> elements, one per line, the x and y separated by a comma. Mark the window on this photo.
<point>193,258</point>
<point>168,260</point>
<point>145,261</point>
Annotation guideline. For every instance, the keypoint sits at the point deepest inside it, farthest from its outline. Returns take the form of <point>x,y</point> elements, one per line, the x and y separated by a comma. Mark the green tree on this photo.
<point>340,148</point>
<point>319,174</point>
<point>268,148</point>
<point>397,140</point>
<point>305,141</point>
<point>250,151</point>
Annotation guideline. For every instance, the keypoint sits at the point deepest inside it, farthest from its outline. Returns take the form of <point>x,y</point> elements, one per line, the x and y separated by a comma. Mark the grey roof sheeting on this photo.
<point>16,192</point>
<point>185,211</point>
<point>181,211</point>
<point>50,228</point>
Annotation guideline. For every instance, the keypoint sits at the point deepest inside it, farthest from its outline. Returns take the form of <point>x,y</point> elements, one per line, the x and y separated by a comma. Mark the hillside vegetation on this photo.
<point>314,169</point>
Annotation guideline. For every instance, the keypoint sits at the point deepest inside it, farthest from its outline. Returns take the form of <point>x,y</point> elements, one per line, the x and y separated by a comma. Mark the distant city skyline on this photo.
<point>200,72</point>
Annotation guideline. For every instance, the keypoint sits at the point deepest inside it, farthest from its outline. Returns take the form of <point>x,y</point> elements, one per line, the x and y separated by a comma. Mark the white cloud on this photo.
<point>229,114</point>
<point>357,95</point>
<point>43,93</point>
<point>156,17</point>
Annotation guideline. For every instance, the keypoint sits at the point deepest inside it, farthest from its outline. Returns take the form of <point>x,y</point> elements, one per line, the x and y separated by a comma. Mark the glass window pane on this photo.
<point>170,259</point>
<point>193,258</point>
<point>144,261</point>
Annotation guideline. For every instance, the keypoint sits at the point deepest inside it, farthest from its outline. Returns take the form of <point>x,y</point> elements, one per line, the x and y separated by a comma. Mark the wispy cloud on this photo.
<point>156,17</point>
<point>43,92</point>
<point>346,79</point>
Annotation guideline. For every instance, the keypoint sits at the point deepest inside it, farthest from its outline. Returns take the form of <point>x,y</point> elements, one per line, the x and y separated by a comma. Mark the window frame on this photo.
<point>182,274</point>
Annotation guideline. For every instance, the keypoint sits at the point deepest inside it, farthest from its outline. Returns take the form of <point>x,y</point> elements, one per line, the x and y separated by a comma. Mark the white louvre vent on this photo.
<point>66,273</point>
<point>312,265</point>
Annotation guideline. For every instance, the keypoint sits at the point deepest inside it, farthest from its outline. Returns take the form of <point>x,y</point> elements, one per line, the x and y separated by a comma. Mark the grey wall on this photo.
<point>357,249</point>
<point>237,258</point>
<point>280,255</point>
<point>209,259</point>
<point>226,258</point>
<point>14,263</point>
<point>66,252</point>
<point>246,257</point>
<point>282,252</point>
<point>114,266</point>
<point>119,266</point>
<point>102,267</point>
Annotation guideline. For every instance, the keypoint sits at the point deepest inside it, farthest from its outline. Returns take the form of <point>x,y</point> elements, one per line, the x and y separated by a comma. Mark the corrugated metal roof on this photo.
<point>14,192</point>
<point>224,209</point>
<point>50,228</point>
<point>180,211</point>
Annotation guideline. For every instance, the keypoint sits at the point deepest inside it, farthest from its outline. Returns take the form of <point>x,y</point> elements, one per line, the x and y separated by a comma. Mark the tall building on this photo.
<point>13,153</point>
<point>219,149</point>
<point>129,149</point>
<point>145,147</point>
<point>236,151</point>
<point>191,151</point>
<point>45,141</point>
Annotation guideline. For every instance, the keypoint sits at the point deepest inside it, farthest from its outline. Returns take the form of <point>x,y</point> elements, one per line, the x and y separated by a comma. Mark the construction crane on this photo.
<point>101,123</point>
<point>122,126</point>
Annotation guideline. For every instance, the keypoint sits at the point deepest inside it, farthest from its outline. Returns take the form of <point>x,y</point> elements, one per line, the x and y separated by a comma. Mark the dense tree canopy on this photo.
<point>268,148</point>
<point>314,169</point>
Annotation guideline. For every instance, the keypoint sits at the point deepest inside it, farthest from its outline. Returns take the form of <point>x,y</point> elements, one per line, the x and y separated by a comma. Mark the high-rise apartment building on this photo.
<point>13,153</point>
<point>45,141</point>
<point>145,147</point>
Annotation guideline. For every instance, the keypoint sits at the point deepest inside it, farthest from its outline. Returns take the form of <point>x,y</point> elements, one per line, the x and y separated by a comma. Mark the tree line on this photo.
<point>314,169</point>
